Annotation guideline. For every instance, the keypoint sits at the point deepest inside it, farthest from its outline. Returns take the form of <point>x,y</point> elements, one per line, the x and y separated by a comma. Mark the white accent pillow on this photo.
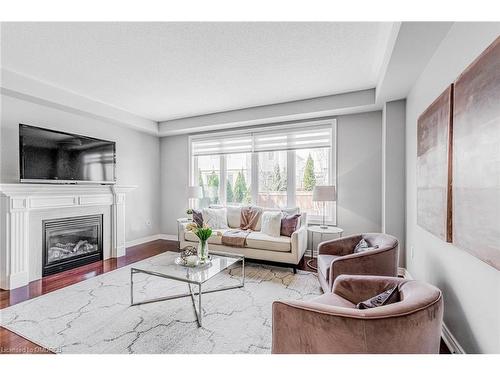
<point>215,218</point>
<point>233,216</point>
<point>271,223</point>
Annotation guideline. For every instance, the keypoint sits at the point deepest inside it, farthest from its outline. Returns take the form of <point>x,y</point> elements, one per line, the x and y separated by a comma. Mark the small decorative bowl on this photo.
<point>189,261</point>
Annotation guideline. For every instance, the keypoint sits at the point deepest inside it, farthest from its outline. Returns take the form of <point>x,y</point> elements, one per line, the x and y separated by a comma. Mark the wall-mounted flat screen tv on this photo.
<point>49,156</point>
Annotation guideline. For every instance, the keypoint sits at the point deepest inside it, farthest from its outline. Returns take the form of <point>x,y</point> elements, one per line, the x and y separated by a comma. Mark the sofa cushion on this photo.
<point>215,217</point>
<point>324,262</point>
<point>198,217</point>
<point>363,246</point>
<point>289,224</point>
<point>214,238</point>
<point>233,216</point>
<point>288,211</point>
<point>259,240</point>
<point>387,297</point>
<point>271,223</point>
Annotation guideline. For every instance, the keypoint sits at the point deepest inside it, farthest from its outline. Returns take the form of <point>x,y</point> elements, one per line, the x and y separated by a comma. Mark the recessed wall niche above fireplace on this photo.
<point>71,242</point>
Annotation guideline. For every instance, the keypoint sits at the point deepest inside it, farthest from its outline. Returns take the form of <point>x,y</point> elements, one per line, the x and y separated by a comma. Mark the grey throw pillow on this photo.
<point>198,217</point>
<point>363,246</point>
<point>385,298</point>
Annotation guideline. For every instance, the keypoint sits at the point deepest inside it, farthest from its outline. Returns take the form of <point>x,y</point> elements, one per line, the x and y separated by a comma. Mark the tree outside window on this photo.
<point>311,167</point>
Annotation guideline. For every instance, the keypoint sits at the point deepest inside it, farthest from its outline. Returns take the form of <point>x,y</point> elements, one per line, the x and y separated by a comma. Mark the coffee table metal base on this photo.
<point>191,293</point>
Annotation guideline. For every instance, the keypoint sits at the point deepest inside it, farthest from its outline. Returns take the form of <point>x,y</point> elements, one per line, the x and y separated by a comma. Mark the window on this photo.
<point>238,179</point>
<point>273,167</point>
<point>207,175</point>
<point>312,167</point>
<point>272,179</point>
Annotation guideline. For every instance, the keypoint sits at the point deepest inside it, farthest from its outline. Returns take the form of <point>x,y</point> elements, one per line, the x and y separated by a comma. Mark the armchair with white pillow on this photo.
<point>266,242</point>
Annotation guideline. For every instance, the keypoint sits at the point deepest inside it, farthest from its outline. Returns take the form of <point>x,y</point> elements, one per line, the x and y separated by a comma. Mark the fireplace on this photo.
<point>71,242</point>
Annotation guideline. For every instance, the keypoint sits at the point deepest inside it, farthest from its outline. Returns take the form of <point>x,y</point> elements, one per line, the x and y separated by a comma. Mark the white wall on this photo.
<point>359,167</point>
<point>471,288</point>
<point>138,156</point>
<point>359,172</point>
<point>174,181</point>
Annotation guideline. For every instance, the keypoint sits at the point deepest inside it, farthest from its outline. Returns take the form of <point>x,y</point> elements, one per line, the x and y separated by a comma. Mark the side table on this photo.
<point>316,229</point>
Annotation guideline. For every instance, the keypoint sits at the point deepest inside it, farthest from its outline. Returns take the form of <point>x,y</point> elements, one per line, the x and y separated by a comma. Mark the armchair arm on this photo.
<point>299,242</point>
<point>306,327</point>
<point>341,246</point>
<point>361,287</point>
<point>381,262</point>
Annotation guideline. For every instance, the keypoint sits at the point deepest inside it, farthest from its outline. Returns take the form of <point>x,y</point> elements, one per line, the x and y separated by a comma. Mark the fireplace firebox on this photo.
<point>71,242</point>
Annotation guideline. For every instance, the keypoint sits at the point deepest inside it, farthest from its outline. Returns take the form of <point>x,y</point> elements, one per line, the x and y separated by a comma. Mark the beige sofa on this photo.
<point>261,246</point>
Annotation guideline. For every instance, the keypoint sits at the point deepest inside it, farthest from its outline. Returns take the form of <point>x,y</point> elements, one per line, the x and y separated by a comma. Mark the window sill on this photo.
<point>320,221</point>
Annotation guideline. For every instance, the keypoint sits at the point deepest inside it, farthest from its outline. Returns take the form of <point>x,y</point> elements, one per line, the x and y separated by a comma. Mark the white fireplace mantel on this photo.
<point>18,201</point>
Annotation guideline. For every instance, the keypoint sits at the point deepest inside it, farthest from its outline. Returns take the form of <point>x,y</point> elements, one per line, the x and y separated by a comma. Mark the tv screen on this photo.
<point>52,156</point>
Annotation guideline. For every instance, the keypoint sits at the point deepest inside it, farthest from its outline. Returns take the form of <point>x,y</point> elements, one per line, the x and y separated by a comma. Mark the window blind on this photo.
<point>270,140</point>
<point>294,139</point>
<point>222,145</point>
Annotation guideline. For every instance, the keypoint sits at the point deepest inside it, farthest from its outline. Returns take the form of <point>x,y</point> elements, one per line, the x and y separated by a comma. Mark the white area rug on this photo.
<point>95,316</point>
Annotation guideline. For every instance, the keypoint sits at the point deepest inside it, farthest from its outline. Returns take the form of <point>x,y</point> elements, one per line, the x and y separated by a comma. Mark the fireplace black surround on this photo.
<point>71,242</point>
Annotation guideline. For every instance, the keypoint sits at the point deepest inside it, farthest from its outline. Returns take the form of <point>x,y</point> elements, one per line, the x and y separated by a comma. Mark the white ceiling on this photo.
<point>163,71</point>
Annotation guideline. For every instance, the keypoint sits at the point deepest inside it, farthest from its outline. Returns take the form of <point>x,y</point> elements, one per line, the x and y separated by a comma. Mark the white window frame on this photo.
<point>291,181</point>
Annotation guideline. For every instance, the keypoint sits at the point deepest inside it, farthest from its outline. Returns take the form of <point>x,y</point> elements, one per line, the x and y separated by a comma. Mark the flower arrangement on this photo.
<point>203,233</point>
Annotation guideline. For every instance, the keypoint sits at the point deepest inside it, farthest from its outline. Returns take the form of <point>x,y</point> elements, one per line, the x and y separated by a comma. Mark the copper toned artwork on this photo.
<point>476,158</point>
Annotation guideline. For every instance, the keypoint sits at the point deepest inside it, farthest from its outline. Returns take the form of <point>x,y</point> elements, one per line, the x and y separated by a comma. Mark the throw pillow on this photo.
<point>233,216</point>
<point>363,246</point>
<point>385,298</point>
<point>198,218</point>
<point>215,218</point>
<point>271,223</point>
<point>289,224</point>
<point>258,226</point>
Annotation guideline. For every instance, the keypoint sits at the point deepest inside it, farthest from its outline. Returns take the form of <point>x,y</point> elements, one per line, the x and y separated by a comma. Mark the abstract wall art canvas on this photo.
<point>433,163</point>
<point>476,157</point>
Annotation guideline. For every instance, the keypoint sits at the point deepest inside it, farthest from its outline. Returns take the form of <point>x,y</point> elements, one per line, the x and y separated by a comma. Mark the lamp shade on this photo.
<point>324,194</point>
<point>194,192</point>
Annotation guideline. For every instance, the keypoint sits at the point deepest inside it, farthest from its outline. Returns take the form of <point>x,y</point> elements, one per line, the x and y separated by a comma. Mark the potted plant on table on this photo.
<point>203,233</point>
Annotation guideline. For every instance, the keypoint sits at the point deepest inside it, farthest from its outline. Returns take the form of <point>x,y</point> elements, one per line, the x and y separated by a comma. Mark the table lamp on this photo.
<point>194,192</point>
<point>324,194</point>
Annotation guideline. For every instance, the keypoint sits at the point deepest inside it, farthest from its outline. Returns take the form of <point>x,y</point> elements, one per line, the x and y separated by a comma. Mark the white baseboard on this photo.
<point>169,237</point>
<point>448,338</point>
<point>154,237</point>
<point>451,342</point>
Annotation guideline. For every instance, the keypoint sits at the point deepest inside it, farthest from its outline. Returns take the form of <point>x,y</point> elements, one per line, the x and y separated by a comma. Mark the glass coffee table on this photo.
<point>192,276</point>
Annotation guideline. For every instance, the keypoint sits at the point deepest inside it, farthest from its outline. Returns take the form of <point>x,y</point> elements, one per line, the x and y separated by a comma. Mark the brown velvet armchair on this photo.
<point>332,324</point>
<point>337,257</point>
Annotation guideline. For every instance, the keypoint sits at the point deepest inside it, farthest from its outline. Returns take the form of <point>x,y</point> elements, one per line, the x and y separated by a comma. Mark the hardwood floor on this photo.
<point>11,343</point>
